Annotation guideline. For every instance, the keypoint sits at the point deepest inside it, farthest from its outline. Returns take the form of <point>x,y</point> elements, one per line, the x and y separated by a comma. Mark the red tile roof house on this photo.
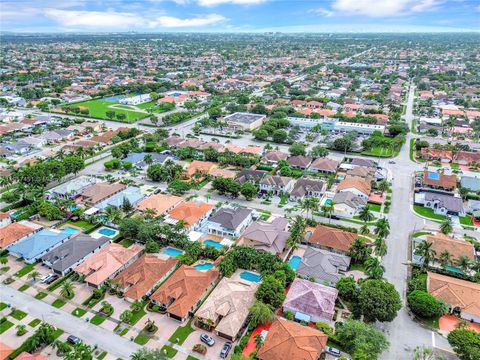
<point>444,156</point>
<point>467,158</point>
<point>324,165</point>
<point>273,157</point>
<point>309,298</point>
<point>182,293</point>
<point>441,181</point>
<point>331,239</point>
<point>299,162</point>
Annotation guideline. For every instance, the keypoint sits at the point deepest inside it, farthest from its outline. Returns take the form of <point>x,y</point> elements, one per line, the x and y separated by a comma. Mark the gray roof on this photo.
<point>271,236</point>
<point>303,186</point>
<point>69,253</point>
<point>275,180</point>
<point>244,118</point>
<point>322,265</point>
<point>299,161</point>
<point>250,176</point>
<point>470,182</point>
<point>230,218</point>
<point>449,202</point>
<point>363,162</point>
<point>350,199</point>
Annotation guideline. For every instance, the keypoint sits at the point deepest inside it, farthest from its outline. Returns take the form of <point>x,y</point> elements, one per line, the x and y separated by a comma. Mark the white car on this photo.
<point>45,278</point>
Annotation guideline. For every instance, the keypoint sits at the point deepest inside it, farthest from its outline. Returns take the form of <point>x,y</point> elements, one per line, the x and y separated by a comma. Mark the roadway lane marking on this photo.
<point>433,339</point>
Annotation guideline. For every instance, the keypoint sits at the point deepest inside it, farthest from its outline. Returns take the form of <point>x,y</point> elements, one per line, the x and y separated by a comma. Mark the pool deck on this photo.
<point>300,251</point>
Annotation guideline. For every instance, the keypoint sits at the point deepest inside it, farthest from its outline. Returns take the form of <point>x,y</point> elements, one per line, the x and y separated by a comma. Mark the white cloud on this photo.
<point>376,8</point>
<point>323,12</point>
<point>170,21</point>
<point>209,3</point>
<point>97,19</point>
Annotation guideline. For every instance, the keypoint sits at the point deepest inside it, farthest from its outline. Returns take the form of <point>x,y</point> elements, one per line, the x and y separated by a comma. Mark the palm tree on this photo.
<point>365,214</point>
<point>149,213</point>
<point>258,341</point>
<point>364,230</point>
<point>446,227</point>
<point>113,214</point>
<point>33,275</point>
<point>296,232</point>
<point>445,258</point>
<point>380,247</point>
<point>383,186</point>
<point>382,228</point>
<point>424,249</point>
<point>309,204</point>
<point>374,268</point>
<point>67,289</point>
<point>330,208</point>
<point>148,159</point>
<point>261,313</point>
<point>464,263</point>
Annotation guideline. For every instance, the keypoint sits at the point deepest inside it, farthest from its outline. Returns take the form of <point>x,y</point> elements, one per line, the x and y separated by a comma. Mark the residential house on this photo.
<point>107,263</point>
<point>299,162</point>
<point>200,167</point>
<point>227,307</point>
<point>436,180</point>
<point>229,221</point>
<point>355,185</point>
<point>70,254</point>
<point>13,233</point>
<point>324,165</point>
<point>441,204</point>
<point>471,183</point>
<point>467,158</point>
<point>72,188</point>
<point>273,157</point>
<point>251,176</point>
<point>347,204</point>
<point>310,301</point>
<point>160,203</point>
<point>184,290</point>
<point>244,121</point>
<point>331,239</point>
<point>93,194</point>
<point>5,219</point>
<point>363,162</point>
<point>38,244</point>
<point>138,159</point>
<point>267,236</point>
<point>224,173</point>
<point>306,187</point>
<point>194,214</point>
<point>444,156</point>
<point>287,340</point>
<point>462,296</point>
<point>366,173</point>
<point>140,278</point>
<point>131,195</point>
<point>323,266</point>
<point>277,185</point>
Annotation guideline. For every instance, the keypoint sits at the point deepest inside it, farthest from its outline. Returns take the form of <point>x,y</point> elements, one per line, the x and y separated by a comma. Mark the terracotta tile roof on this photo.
<point>468,156</point>
<point>4,215</point>
<point>185,287</point>
<point>356,183</point>
<point>159,202</point>
<point>190,212</point>
<point>102,265</point>
<point>27,356</point>
<point>13,232</point>
<point>203,167</point>
<point>100,191</point>
<point>436,153</point>
<point>325,164</point>
<point>287,340</point>
<point>143,274</point>
<point>456,248</point>
<point>225,173</point>
<point>444,181</point>
<point>5,350</point>
<point>332,238</point>
<point>455,292</point>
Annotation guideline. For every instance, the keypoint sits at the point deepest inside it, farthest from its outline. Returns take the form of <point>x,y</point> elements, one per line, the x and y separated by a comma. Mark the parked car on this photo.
<point>391,162</point>
<point>72,339</point>
<point>207,339</point>
<point>51,279</point>
<point>333,351</point>
<point>225,350</point>
<point>44,278</point>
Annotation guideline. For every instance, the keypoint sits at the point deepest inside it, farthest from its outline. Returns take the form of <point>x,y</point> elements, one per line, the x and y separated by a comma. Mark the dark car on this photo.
<point>207,339</point>
<point>72,339</point>
<point>51,279</point>
<point>333,351</point>
<point>225,350</point>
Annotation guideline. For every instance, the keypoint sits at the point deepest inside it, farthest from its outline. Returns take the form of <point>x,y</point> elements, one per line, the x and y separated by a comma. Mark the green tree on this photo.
<point>424,249</point>
<point>261,134</point>
<point>464,263</point>
<point>378,300</point>
<point>297,149</point>
<point>34,275</point>
<point>425,305</point>
<point>67,290</point>
<point>446,226</point>
<point>249,190</point>
<point>374,268</point>
<point>382,228</point>
<point>319,151</point>
<point>365,214</point>
<point>466,343</point>
<point>261,313</point>
<point>359,251</point>
<point>148,354</point>
<point>347,288</point>
<point>279,136</point>
<point>271,292</point>
<point>380,246</point>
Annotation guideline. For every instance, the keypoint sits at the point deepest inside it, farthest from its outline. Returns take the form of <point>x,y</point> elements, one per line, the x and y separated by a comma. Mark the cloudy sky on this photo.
<point>239,15</point>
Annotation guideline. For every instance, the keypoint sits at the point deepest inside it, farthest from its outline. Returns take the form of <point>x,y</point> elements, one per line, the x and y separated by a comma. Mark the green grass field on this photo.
<point>427,212</point>
<point>97,320</point>
<point>379,151</point>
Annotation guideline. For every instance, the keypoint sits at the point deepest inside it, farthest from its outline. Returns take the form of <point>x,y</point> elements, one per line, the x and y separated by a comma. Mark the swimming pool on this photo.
<point>213,243</point>
<point>249,276</point>
<point>204,266</point>
<point>454,269</point>
<point>328,202</point>
<point>433,175</point>
<point>70,230</point>
<point>175,94</point>
<point>294,262</point>
<point>172,251</point>
<point>107,232</point>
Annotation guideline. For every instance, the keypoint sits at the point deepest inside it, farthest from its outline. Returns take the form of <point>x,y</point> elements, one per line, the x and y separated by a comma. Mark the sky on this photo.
<point>239,15</point>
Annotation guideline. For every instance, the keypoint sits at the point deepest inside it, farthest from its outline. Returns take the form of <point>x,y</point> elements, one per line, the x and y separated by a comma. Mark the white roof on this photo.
<point>194,236</point>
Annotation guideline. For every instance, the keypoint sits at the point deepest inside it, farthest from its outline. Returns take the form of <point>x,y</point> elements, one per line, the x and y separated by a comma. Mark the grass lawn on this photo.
<point>99,107</point>
<point>58,303</point>
<point>427,212</point>
<point>23,287</point>
<point>374,207</point>
<point>357,266</point>
<point>412,149</point>
<point>466,220</point>
<point>40,295</point>
<point>2,306</point>
<point>18,314</point>
<point>379,151</point>
<point>190,357</point>
<point>24,271</point>
<point>421,233</point>
<point>85,225</point>
<point>169,351</point>
<point>56,284</point>
<point>102,355</point>
<point>97,320</point>
<point>78,312</point>
<point>141,339</point>
<point>181,334</point>
<point>127,243</point>
<point>34,322</point>
<point>4,326</point>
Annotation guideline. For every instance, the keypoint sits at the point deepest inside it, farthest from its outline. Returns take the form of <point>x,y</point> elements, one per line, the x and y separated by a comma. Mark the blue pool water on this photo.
<point>203,267</point>
<point>247,275</point>
<point>454,269</point>
<point>294,262</point>
<point>172,252</point>
<point>433,175</point>
<point>328,202</point>
<point>107,232</point>
<point>175,94</point>
<point>213,243</point>
<point>70,230</point>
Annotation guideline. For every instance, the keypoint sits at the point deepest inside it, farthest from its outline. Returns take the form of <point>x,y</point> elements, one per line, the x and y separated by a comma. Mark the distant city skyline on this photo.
<point>240,16</point>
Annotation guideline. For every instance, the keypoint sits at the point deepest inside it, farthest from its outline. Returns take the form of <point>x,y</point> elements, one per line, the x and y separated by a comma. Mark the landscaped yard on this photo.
<point>379,151</point>
<point>78,312</point>
<point>34,322</point>
<point>5,325</point>
<point>182,333</point>
<point>2,306</point>
<point>374,207</point>
<point>427,212</point>
<point>466,220</point>
<point>24,271</point>
<point>85,225</point>
<point>23,287</point>
<point>141,339</point>
<point>127,243</point>
<point>41,295</point>
<point>97,320</point>
<point>169,351</point>
<point>18,314</point>
<point>58,303</point>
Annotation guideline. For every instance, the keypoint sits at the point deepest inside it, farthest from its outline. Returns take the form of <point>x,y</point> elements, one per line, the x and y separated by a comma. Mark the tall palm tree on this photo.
<point>309,205</point>
<point>464,263</point>
<point>33,275</point>
<point>148,159</point>
<point>374,268</point>
<point>383,186</point>
<point>149,213</point>
<point>382,228</point>
<point>365,214</point>
<point>67,289</point>
<point>446,227</point>
<point>364,230</point>
<point>330,208</point>
<point>380,247</point>
<point>424,249</point>
<point>113,214</point>
<point>445,258</point>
